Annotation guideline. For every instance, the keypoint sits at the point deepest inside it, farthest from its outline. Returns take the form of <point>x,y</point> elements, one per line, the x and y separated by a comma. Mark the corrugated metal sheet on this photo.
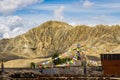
<point>111,63</point>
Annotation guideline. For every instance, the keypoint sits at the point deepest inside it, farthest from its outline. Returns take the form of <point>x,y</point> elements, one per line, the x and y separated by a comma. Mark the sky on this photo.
<point>18,16</point>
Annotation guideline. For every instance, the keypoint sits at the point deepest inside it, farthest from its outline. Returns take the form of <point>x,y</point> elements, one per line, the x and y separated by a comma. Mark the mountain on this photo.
<point>54,36</point>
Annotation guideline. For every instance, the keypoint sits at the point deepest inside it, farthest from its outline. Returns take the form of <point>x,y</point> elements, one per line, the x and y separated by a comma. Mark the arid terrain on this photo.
<point>41,42</point>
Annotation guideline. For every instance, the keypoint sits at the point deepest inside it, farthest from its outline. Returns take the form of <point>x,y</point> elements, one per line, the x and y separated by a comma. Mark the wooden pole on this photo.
<point>2,66</point>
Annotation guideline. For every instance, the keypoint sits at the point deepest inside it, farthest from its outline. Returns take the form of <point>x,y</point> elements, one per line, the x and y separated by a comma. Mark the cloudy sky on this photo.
<point>18,16</point>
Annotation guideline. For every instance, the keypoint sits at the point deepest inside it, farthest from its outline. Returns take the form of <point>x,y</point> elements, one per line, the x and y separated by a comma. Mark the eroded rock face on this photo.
<point>53,36</point>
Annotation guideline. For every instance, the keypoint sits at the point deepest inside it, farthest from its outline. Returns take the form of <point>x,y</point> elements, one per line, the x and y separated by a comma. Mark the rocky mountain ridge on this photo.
<point>54,36</point>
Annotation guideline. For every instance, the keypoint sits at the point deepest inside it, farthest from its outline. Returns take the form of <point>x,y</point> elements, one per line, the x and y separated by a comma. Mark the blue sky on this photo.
<point>18,16</point>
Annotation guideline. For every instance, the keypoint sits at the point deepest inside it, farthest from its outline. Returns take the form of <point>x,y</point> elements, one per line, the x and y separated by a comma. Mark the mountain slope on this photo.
<point>54,36</point>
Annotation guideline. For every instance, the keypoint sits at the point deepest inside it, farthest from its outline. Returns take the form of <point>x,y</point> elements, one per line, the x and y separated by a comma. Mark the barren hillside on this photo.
<point>54,36</point>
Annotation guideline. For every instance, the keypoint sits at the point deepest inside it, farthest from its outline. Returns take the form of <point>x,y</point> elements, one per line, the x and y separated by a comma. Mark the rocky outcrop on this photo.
<point>54,36</point>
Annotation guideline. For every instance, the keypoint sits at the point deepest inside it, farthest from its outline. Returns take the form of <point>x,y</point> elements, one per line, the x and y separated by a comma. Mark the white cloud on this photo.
<point>9,6</point>
<point>3,28</point>
<point>12,21</point>
<point>58,13</point>
<point>11,26</point>
<point>87,4</point>
<point>13,33</point>
<point>6,35</point>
